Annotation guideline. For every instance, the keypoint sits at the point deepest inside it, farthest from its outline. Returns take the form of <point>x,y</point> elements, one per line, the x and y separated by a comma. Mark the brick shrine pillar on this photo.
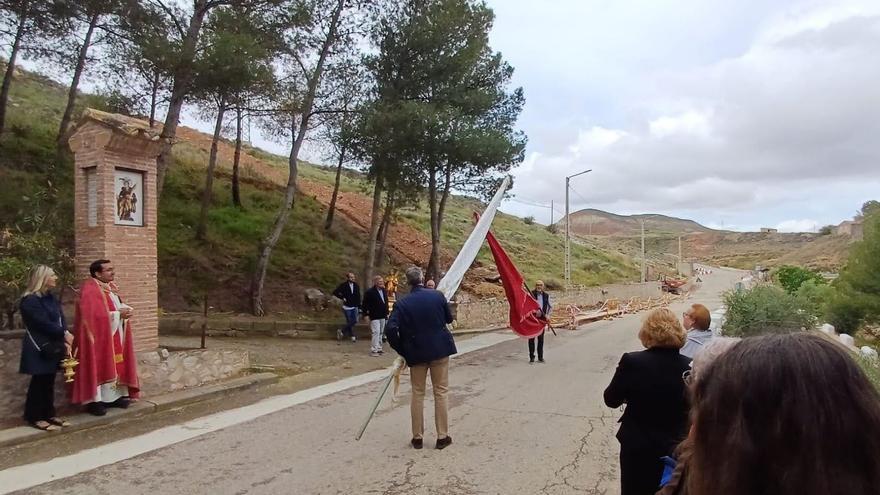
<point>115,210</point>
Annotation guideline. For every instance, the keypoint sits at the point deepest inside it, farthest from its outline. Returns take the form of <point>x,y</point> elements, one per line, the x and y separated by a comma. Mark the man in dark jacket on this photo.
<point>376,308</point>
<point>544,301</point>
<point>417,331</point>
<point>350,294</point>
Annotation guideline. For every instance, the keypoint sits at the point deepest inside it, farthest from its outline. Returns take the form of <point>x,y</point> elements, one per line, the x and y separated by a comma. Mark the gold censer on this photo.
<point>69,364</point>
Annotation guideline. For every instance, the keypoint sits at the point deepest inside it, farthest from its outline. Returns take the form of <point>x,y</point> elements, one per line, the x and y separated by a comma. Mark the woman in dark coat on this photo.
<point>45,325</point>
<point>650,383</point>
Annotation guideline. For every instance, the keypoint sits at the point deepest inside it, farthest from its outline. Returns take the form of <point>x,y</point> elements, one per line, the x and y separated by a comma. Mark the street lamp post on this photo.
<point>568,230</point>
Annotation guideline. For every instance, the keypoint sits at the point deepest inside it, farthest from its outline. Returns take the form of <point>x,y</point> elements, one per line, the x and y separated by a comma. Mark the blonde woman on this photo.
<point>650,383</point>
<point>42,348</point>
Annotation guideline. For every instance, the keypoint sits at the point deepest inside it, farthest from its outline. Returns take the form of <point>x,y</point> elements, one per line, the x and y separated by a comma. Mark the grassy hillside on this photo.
<point>305,257</point>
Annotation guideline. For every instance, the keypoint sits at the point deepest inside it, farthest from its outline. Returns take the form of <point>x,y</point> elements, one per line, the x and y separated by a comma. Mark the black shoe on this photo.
<point>96,409</point>
<point>531,360</point>
<point>541,360</point>
<point>121,403</point>
<point>442,443</point>
<point>416,443</point>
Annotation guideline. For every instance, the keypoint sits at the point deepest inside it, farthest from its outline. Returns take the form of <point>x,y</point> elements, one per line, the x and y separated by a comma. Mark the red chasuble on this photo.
<point>104,357</point>
<point>523,306</point>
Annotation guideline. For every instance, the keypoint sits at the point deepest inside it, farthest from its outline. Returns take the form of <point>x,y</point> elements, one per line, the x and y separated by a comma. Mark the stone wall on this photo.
<point>494,312</point>
<point>160,372</point>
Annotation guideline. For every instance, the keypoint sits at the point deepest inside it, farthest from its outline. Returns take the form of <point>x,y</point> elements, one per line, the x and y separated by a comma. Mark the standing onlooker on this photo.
<point>544,302</point>
<point>350,294</point>
<point>699,368</point>
<point>376,309</point>
<point>650,383</point>
<point>790,414</point>
<point>417,331</point>
<point>45,342</point>
<point>696,320</point>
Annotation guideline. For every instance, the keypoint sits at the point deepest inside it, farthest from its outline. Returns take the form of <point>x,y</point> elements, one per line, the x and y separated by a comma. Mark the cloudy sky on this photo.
<point>739,114</point>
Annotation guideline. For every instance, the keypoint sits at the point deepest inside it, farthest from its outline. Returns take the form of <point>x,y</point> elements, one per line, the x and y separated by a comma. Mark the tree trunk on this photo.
<point>202,228</point>
<point>384,228</point>
<point>74,85</point>
<point>154,95</point>
<point>437,213</point>
<point>182,78</point>
<point>332,209</point>
<point>374,230</point>
<point>434,260</point>
<point>277,228</point>
<point>236,159</point>
<point>10,69</point>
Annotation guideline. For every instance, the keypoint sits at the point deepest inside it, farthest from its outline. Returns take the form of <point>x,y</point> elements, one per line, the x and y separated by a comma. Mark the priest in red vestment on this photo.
<point>106,375</point>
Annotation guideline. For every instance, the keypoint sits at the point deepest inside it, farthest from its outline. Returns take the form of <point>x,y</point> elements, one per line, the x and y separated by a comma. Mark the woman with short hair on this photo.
<point>785,414</point>
<point>45,343</point>
<point>650,383</point>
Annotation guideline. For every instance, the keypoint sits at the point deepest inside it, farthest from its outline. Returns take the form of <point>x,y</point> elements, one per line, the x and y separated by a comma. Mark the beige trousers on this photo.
<point>440,384</point>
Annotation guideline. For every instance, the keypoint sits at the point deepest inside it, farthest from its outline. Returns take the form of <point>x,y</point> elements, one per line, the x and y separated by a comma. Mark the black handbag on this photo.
<point>50,351</point>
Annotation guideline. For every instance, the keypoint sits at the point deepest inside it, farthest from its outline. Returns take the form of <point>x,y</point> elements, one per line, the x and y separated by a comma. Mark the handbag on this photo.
<point>50,351</point>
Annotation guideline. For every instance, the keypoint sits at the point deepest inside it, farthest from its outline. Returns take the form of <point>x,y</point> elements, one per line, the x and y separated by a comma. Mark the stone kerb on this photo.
<point>109,150</point>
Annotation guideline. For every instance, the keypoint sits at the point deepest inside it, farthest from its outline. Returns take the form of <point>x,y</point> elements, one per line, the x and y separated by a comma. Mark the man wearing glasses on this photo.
<point>696,321</point>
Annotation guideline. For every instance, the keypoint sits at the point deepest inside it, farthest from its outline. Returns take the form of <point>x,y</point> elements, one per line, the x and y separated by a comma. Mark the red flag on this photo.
<point>523,306</point>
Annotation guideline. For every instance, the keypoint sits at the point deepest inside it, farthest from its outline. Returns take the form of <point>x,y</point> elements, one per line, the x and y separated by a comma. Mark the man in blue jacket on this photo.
<point>417,331</point>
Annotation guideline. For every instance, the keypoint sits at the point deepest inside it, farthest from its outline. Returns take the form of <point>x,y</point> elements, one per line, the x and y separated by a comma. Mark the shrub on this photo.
<point>552,284</point>
<point>792,277</point>
<point>815,297</point>
<point>826,230</point>
<point>845,312</point>
<point>764,309</point>
<point>529,220</point>
<point>552,228</point>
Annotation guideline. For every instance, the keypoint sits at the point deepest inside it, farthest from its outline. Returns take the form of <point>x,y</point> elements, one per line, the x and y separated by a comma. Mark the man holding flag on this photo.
<point>544,303</point>
<point>417,331</point>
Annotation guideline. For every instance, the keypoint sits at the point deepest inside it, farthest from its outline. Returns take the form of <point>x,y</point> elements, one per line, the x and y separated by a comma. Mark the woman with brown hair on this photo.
<point>650,383</point>
<point>785,415</point>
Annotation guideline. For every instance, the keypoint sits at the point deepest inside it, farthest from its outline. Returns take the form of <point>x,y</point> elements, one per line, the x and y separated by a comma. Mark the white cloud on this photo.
<point>803,225</point>
<point>787,123</point>
<point>690,122</point>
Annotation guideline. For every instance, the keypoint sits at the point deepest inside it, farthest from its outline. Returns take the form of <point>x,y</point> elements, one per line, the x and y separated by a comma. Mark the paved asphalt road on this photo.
<point>516,428</point>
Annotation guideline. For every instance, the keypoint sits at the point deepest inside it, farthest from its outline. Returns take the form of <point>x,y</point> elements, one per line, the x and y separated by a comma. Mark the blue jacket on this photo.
<point>44,320</point>
<point>417,327</point>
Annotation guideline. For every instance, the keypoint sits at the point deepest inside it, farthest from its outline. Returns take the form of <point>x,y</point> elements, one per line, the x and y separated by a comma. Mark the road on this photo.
<point>516,428</point>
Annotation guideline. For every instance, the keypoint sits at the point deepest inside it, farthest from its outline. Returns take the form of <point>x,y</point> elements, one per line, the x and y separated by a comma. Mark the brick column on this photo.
<point>108,150</point>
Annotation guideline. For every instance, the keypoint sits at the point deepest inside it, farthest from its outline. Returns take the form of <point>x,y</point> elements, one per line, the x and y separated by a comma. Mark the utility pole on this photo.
<point>678,269</point>
<point>568,230</point>
<point>551,212</point>
<point>644,260</point>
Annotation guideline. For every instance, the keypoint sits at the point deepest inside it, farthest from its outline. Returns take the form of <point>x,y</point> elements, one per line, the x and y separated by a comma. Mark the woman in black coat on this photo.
<point>650,383</point>
<point>45,325</point>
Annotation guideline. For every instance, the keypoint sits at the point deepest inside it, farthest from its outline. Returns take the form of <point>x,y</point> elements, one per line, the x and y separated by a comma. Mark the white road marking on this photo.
<point>30,475</point>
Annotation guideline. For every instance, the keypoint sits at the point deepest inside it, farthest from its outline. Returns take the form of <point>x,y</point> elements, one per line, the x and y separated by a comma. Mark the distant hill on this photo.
<point>597,222</point>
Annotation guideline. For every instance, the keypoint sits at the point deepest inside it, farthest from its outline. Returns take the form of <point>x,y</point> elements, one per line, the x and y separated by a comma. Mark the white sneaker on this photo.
<point>354,339</point>
<point>338,334</point>
<point>375,354</point>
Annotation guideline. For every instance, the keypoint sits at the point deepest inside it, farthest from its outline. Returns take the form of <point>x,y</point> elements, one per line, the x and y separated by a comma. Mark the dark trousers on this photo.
<point>640,471</point>
<point>351,319</point>
<point>540,347</point>
<point>40,402</point>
